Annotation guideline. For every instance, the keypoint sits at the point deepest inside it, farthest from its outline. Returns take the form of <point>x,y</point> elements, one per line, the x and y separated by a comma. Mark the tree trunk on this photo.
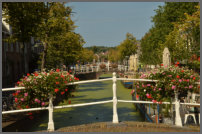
<point>43,61</point>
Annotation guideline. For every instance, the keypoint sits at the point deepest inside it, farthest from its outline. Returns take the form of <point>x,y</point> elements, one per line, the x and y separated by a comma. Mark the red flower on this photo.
<point>66,90</point>
<point>56,90</point>
<point>161,64</point>
<point>65,82</point>
<point>28,74</point>
<point>137,96</point>
<point>76,78</point>
<point>62,93</point>
<point>149,97</point>
<point>13,94</point>
<point>57,82</point>
<point>35,74</point>
<point>199,59</point>
<point>194,78</point>
<point>69,101</point>
<point>178,63</point>
<point>70,71</point>
<point>27,106</point>
<point>178,76</point>
<point>56,77</point>
<point>18,82</point>
<point>31,117</point>
<point>57,70</point>
<point>182,71</point>
<point>29,113</point>
<point>62,76</point>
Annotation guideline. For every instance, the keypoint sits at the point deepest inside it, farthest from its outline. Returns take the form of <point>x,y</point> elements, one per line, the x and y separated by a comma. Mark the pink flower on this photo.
<point>191,76</point>
<point>148,85</point>
<point>190,86</point>
<point>16,99</point>
<point>180,80</point>
<point>43,103</point>
<point>187,80</point>
<point>132,91</point>
<point>154,89</point>
<point>169,75</point>
<point>154,101</point>
<point>173,87</point>
<point>25,94</point>
<point>36,100</point>
<point>138,87</point>
<point>22,99</point>
<point>18,91</point>
<point>159,89</point>
<point>147,95</point>
<point>185,87</point>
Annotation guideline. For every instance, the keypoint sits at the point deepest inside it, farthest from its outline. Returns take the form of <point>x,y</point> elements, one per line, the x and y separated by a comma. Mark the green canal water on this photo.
<point>92,92</point>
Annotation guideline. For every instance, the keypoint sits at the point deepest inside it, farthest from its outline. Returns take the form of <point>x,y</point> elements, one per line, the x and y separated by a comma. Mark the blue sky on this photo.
<point>106,23</point>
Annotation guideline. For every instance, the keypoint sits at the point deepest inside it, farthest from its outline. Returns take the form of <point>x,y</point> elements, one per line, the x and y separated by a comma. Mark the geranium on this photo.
<point>40,85</point>
<point>170,79</point>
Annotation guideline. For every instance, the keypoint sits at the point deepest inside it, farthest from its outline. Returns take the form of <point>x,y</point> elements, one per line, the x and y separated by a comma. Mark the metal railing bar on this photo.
<point>146,80</point>
<point>24,110</point>
<point>84,104</point>
<point>13,88</point>
<point>149,102</point>
<point>193,104</point>
<point>144,102</point>
<point>88,81</point>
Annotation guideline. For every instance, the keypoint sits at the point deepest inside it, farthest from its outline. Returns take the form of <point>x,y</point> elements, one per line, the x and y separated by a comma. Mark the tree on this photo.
<point>184,42</point>
<point>86,55</point>
<point>24,18</point>
<point>114,55</point>
<point>128,46</point>
<point>153,41</point>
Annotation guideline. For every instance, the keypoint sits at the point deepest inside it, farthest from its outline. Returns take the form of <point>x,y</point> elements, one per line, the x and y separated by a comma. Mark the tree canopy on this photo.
<point>165,32</point>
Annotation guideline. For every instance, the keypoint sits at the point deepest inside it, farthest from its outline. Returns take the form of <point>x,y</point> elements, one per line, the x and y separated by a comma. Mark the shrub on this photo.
<point>170,79</point>
<point>39,86</point>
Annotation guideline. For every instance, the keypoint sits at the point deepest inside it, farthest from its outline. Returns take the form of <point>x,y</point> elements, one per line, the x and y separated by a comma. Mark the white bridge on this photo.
<point>114,100</point>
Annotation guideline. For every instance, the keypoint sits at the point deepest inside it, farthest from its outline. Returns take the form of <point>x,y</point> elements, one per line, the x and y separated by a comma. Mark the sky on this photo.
<point>106,23</point>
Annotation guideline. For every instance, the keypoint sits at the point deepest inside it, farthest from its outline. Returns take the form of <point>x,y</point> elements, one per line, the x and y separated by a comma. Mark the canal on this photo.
<point>92,92</point>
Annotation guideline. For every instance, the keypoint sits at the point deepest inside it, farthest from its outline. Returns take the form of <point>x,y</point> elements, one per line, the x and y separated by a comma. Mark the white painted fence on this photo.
<point>50,108</point>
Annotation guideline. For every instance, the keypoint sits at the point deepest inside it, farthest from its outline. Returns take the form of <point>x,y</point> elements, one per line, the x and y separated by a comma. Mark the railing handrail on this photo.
<point>114,100</point>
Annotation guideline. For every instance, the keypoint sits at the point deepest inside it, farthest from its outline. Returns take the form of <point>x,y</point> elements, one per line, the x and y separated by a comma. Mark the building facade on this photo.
<point>15,63</point>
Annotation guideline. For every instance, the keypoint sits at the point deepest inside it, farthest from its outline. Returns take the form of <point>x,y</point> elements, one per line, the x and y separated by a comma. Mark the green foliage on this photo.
<point>86,55</point>
<point>114,55</point>
<point>99,49</point>
<point>24,18</point>
<point>128,46</point>
<point>158,37</point>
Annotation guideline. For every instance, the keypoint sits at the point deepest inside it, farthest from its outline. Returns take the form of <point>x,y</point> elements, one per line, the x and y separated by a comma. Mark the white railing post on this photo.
<point>115,115</point>
<point>108,65</point>
<point>50,110</point>
<point>178,121</point>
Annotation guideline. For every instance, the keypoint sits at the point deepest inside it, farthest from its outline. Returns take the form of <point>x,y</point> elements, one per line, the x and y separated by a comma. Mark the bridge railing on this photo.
<point>114,100</point>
